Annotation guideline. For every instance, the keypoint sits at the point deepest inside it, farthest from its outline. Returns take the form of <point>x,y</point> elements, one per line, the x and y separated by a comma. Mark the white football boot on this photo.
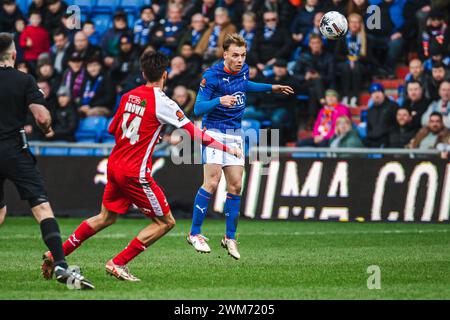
<point>120,272</point>
<point>199,243</point>
<point>231,246</point>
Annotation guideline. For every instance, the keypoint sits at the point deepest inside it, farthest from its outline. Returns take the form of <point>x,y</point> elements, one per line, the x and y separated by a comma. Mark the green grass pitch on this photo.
<point>280,260</point>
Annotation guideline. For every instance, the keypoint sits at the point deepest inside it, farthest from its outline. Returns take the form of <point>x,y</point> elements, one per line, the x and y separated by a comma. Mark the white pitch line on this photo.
<point>297,233</point>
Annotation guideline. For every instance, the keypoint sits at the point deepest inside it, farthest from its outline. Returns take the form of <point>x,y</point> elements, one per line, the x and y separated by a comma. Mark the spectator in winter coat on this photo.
<point>168,33</point>
<point>60,51</point>
<point>441,106</point>
<point>403,131</point>
<point>380,118</point>
<point>34,39</point>
<point>436,31</point>
<point>416,102</point>
<point>432,134</point>
<point>111,38</point>
<point>395,22</point>
<point>64,117</point>
<point>434,80</point>
<point>303,21</point>
<point>352,59</point>
<point>345,136</point>
<point>9,14</point>
<point>194,33</point>
<point>98,92</point>
<point>126,62</point>
<point>144,27</point>
<point>56,9</point>
<point>210,45</point>
<point>74,77</point>
<point>315,71</point>
<point>325,124</point>
<point>269,37</point>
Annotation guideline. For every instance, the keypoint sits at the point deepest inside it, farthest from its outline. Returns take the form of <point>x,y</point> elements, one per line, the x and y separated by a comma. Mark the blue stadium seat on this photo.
<point>102,22</point>
<point>85,5</point>
<point>23,5</point>
<point>132,3</point>
<point>81,152</point>
<point>362,130</point>
<point>90,129</point>
<point>53,151</point>
<point>105,6</point>
<point>297,155</point>
<point>101,152</point>
<point>131,16</point>
<point>106,137</point>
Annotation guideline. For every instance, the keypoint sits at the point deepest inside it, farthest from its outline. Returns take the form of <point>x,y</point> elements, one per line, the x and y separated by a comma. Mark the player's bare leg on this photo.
<point>233,176</point>
<point>2,215</point>
<point>148,236</point>
<point>211,178</point>
<point>43,214</point>
<point>103,220</point>
<point>84,231</point>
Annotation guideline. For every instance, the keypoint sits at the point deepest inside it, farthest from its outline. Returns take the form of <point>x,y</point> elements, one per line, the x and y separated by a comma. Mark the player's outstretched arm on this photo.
<point>206,140</point>
<point>266,87</point>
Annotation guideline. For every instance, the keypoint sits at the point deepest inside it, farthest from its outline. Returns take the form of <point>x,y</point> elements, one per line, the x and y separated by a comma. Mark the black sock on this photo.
<point>52,238</point>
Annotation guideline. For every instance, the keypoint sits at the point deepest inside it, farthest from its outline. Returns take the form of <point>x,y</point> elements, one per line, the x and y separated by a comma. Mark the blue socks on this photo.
<point>200,209</point>
<point>231,211</point>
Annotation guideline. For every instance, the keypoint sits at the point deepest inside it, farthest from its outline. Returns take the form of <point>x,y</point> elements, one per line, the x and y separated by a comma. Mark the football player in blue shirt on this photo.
<point>221,101</point>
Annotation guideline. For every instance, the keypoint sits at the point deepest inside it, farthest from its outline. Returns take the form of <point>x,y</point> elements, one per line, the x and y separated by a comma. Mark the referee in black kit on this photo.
<point>18,94</point>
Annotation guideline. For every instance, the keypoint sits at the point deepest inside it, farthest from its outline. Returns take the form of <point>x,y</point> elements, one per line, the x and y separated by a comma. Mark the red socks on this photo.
<point>134,248</point>
<point>82,233</point>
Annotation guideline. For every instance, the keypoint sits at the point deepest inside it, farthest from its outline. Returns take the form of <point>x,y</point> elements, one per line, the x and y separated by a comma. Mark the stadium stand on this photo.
<point>426,38</point>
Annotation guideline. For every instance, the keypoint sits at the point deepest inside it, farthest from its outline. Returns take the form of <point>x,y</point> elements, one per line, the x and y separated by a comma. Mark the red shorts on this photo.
<point>122,191</point>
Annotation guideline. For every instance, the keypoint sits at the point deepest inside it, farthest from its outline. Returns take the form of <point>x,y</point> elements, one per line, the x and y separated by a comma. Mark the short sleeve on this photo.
<point>168,111</point>
<point>33,93</point>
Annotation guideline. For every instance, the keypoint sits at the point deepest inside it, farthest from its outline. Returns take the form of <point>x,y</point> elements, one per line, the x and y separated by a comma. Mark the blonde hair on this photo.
<point>344,119</point>
<point>362,32</point>
<point>233,38</point>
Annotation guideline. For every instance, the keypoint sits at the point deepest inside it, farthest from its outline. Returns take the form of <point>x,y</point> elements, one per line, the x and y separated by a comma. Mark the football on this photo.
<point>333,25</point>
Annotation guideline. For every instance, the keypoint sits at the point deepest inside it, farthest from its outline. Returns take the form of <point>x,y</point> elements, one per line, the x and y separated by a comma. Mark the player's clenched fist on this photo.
<point>237,152</point>
<point>228,101</point>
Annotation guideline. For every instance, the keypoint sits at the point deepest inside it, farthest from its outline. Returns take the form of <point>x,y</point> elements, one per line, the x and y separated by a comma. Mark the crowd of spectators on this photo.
<point>83,71</point>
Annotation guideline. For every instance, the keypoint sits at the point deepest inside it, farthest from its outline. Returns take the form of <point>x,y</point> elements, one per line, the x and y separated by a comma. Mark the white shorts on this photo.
<point>215,156</point>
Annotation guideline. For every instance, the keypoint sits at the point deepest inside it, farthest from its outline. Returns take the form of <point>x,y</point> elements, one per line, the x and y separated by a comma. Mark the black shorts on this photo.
<point>19,166</point>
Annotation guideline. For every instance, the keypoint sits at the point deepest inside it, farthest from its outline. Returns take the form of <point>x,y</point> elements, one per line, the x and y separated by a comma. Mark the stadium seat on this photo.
<point>131,18</point>
<point>85,5</point>
<point>106,137</point>
<point>23,5</point>
<point>132,8</point>
<point>81,152</point>
<point>102,22</point>
<point>297,155</point>
<point>132,3</point>
<point>362,130</point>
<point>105,6</point>
<point>90,129</point>
<point>53,151</point>
<point>101,152</point>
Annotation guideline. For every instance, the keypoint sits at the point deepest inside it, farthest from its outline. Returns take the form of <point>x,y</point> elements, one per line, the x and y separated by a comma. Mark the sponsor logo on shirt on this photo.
<point>203,84</point>
<point>134,99</point>
<point>180,115</point>
<point>240,96</point>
